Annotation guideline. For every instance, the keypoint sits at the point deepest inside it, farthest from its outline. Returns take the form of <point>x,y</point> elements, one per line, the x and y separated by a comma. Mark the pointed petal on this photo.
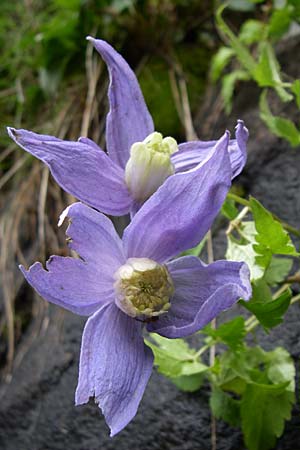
<point>128,120</point>
<point>115,366</point>
<point>182,210</point>
<point>81,285</point>
<point>192,153</point>
<point>81,169</point>
<point>201,293</point>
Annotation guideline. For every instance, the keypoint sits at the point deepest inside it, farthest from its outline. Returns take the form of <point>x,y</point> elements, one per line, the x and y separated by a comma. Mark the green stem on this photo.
<point>243,201</point>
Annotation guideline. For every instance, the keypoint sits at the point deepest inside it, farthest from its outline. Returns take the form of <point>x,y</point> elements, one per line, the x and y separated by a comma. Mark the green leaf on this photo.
<point>243,250</point>
<point>278,270</point>
<point>267,72</point>
<point>229,209</point>
<point>220,61</point>
<point>224,407</point>
<point>281,367</point>
<point>231,333</point>
<point>251,31</point>
<point>280,22</point>
<point>264,410</point>
<point>270,313</point>
<point>189,383</point>
<point>278,125</point>
<point>296,90</point>
<point>174,357</point>
<point>228,85</point>
<point>271,236</point>
<point>241,51</point>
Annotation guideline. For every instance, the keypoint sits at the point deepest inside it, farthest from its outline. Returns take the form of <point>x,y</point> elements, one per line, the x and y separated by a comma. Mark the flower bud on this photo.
<point>149,165</point>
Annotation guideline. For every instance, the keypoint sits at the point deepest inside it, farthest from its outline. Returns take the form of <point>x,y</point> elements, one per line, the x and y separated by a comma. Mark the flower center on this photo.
<point>143,288</point>
<point>149,165</point>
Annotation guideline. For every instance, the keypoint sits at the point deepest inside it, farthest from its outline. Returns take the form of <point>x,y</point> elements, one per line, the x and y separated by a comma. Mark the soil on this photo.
<point>37,409</point>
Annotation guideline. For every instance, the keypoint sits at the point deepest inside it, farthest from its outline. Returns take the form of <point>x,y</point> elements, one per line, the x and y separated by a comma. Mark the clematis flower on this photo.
<point>139,160</point>
<point>126,284</point>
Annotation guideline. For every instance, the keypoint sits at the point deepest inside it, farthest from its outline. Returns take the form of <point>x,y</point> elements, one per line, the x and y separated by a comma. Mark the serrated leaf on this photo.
<point>267,72</point>
<point>224,407</point>
<point>174,357</point>
<point>264,410</point>
<point>231,333</point>
<point>277,271</point>
<point>296,90</point>
<point>220,61</point>
<point>281,127</point>
<point>281,367</point>
<point>244,251</point>
<point>228,84</point>
<point>271,236</point>
<point>251,31</point>
<point>270,313</point>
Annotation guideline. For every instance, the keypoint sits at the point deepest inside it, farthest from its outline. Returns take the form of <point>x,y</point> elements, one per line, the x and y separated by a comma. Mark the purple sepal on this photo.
<point>115,366</point>
<point>201,293</point>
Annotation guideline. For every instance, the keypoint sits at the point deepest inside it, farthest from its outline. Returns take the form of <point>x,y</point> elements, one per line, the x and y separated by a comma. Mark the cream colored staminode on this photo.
<point>149,165</point>
<point>143,288</point>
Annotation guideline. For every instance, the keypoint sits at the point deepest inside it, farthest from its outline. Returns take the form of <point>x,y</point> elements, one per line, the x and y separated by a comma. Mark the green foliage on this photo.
<point>177,361</point>
<point>251,31</point>
<point>243,249</point>
<point>262,382</point>
<point>269,312</point>
<point>278,125</point>
<point>278,270</point>
<point>271,237</point>
<point>223,406</point>
<point>229,209</point>
<point>296,91</point>
<point>264,410</point>
<point>220,61</point>
<point>253,55</point>
<point>228,84</point>
<point>231,333</point>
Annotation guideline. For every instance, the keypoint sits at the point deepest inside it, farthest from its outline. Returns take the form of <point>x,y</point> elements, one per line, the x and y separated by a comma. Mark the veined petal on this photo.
<point>129,120</point>
<point>115,366</point>
<point>192,153</point>
<point>70,283</point>
<point>81,285</point>
<point>182,210</point>
<point>93,237</point>
<point>201,293</point>
<point>80,168</point>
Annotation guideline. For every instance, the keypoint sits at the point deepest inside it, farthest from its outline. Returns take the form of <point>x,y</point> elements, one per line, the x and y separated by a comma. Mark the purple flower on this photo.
<point>124,285</point>
<point>139,160</point>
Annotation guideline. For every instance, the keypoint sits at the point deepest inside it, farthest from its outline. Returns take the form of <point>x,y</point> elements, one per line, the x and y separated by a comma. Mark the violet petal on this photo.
<point>80,169</point>
<point>81,285</point>
<point>115,366</point>
<point>181,211</point>
<point>201,293</point>
<point>192,153</point>
<point>128,120</point>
